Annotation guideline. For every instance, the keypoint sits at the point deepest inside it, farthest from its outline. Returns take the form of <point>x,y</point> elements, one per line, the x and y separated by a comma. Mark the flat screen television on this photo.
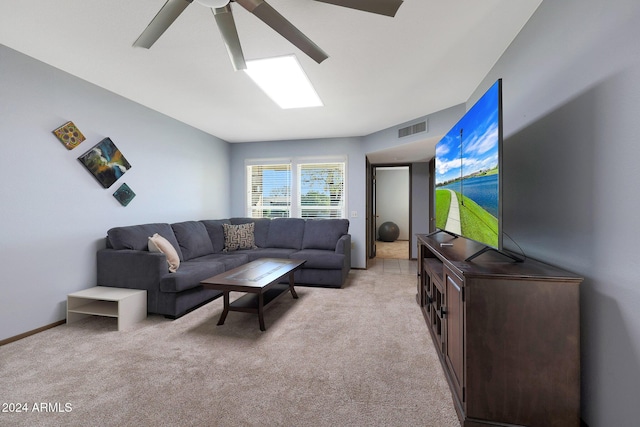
<point>468,183</point>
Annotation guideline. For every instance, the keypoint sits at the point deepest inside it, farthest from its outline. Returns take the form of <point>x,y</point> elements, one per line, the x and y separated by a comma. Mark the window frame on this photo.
<point>340,208</point>
<point>249,192</point>
<point>296,166</point>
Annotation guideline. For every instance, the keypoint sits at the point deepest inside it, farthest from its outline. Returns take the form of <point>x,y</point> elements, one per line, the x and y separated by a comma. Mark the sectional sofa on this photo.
<point>209,247</point>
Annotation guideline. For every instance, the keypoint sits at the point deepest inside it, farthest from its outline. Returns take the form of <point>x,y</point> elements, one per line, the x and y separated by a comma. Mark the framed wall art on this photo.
<point>124,194</point>
<point>69,135</point>
<point>105,162</point>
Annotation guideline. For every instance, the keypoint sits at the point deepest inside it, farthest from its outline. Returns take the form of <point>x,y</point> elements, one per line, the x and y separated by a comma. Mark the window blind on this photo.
<point>269,192</point>
<point>321,190</point>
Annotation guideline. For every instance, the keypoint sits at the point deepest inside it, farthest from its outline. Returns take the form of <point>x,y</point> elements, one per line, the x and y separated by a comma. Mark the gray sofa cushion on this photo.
<point>216,232</point>
<point>324,233</point>
<point>285,233</point>
<point>193,239</point>
<point>320,258</point>
<point>255,254</point>
<point>230,261</point>
<point>260,231</point>
<point>136,237</point>
<point>320,277</point>
<point>189,275</point>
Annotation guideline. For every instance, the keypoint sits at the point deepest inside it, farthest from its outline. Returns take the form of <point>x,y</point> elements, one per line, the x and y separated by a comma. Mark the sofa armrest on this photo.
<point>343,246</point>
<point>128,268</point>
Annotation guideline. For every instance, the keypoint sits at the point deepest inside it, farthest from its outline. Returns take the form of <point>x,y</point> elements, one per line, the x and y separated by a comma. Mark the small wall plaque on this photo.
<point>124,194</point>
<point>69,135</point>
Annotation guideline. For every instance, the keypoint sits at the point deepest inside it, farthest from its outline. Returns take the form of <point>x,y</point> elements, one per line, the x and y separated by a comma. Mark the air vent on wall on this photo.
<point>413,129</point>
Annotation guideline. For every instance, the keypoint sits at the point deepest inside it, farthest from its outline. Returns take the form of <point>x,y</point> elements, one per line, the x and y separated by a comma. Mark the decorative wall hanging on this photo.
<point>105,162</point>
<point>69,135</point>
<point>124,194</point>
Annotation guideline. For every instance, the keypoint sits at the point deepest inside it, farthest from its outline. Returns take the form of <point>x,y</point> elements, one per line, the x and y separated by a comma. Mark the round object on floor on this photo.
<point>389,231</point>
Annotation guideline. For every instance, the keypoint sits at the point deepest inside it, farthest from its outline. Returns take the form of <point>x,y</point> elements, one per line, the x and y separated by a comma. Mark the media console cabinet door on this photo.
<point>523,352</point>
<point>454,341</point>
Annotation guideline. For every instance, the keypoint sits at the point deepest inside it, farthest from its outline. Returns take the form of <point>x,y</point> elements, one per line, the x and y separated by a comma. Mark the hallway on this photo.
<point>393,266</point>
<point>398,249</point>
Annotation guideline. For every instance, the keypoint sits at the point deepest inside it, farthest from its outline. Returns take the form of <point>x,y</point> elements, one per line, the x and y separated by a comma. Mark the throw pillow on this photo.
<point>157,243</point>
<point>239,236</point>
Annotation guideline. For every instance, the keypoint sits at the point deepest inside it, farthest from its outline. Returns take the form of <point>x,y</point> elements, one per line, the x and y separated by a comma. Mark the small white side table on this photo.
<point>127,305</point>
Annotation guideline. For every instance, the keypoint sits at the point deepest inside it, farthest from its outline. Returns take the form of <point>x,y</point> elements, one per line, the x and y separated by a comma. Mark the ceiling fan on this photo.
<point>261,9</point>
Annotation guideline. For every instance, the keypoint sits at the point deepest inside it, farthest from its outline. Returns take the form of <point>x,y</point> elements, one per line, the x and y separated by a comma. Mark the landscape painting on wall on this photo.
<point>105,162</point>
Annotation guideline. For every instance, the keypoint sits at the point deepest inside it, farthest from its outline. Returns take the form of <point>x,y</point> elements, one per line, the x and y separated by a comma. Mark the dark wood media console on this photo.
<point>507,333</point>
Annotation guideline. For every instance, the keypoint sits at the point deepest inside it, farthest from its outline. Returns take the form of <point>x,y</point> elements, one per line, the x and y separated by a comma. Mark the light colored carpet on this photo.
<point>357,356</point>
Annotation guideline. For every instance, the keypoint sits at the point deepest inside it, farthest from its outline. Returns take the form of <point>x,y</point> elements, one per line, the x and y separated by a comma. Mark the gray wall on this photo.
<point>54,214</point>
<point>438,124</point>
<point>571,83</point>
<point>419,203</point>
<point>355,148</point>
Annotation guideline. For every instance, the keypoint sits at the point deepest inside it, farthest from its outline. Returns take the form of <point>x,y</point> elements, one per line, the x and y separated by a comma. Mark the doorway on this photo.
<point>388,205</point>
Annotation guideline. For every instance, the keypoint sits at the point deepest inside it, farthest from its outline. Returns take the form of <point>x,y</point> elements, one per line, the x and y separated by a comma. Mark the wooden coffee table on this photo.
<point>259,279</point>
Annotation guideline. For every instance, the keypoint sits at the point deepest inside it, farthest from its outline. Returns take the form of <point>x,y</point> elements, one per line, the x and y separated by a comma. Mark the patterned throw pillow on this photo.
<point>239,237</point>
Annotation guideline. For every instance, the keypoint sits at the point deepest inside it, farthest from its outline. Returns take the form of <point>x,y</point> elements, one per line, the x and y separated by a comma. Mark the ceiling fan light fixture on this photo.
<point>263,11</point>
<point>213,3</point>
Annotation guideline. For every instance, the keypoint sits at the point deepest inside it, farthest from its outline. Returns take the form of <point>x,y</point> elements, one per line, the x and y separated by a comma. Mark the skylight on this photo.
<point>284,81</point>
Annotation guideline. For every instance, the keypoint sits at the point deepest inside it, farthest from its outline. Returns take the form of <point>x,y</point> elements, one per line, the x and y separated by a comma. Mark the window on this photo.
<point>318,189</point>
<point>321,190</point>
<point>269,191</point>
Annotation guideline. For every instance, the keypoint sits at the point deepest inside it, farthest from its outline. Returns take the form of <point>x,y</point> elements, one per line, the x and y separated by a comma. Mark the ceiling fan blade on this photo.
<point>286,29</point>
<point>381,7</point>
<point>227,27</point>
<point>163,20</point>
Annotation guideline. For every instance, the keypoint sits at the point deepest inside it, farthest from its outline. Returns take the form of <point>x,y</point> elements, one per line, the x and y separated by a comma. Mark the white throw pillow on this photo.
<point>157,243</point>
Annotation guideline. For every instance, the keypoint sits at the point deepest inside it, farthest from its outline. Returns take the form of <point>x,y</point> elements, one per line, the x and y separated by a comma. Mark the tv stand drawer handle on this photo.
<point>442,311</point>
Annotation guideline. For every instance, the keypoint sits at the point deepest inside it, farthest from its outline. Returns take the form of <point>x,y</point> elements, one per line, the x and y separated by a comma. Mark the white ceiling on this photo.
<point>381,71</point>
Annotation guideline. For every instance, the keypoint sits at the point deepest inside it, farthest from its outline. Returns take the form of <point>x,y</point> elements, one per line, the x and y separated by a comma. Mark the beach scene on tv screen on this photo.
<point>467,173</point>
